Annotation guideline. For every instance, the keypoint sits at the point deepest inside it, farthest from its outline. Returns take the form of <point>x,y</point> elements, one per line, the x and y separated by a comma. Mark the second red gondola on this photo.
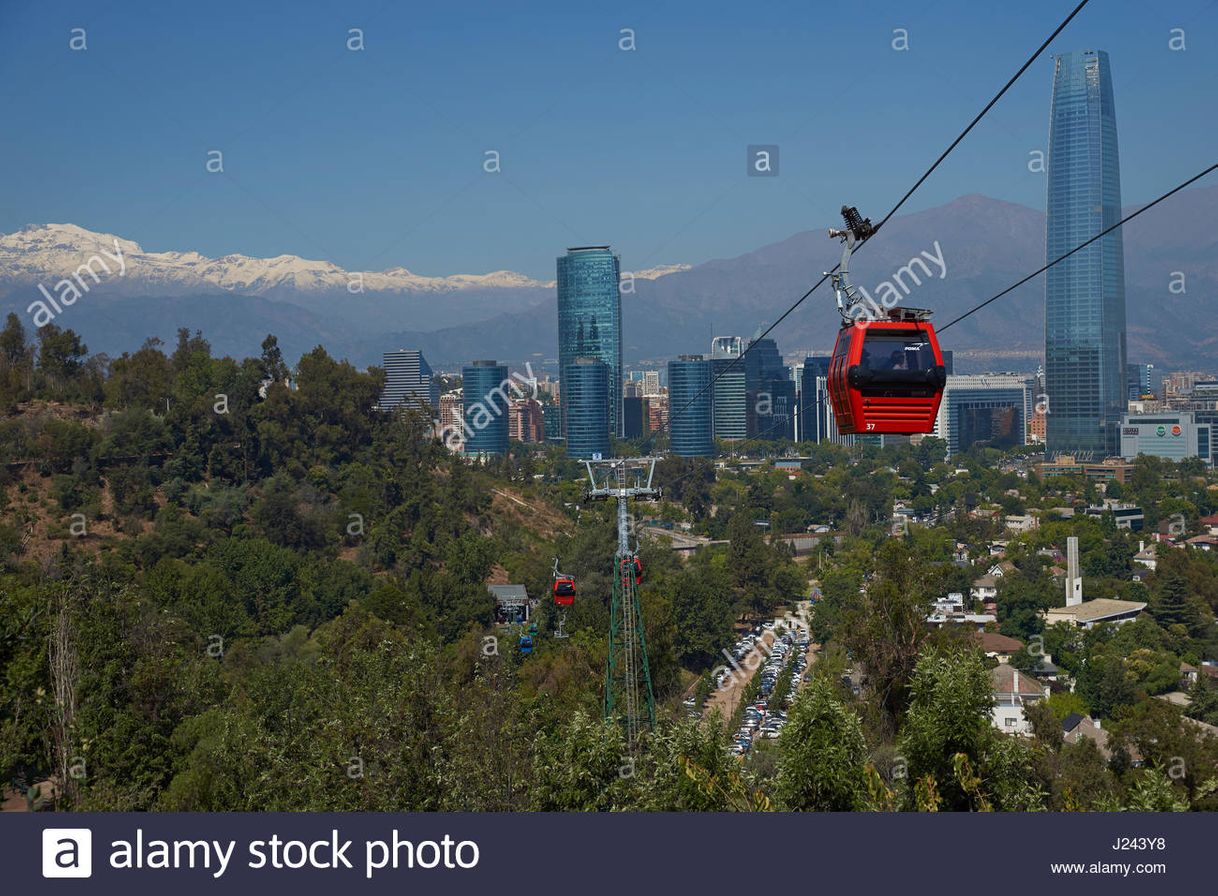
<point>564,592</point>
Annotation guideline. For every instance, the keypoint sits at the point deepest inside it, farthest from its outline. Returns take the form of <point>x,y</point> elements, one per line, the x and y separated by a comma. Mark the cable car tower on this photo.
<point>628,695</point>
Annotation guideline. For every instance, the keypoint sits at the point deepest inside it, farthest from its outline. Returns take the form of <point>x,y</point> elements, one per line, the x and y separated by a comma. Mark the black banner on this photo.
<point>183,854</point>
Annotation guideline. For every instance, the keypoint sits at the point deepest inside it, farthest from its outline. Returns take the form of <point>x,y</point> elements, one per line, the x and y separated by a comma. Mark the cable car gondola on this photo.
<point>886,374</point>
<point>638,571</point>
<point>564,592</point>
<point>525,644</point>
<point>564,588</point>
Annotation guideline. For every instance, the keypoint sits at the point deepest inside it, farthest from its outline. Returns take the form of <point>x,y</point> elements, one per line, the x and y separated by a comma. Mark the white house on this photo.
<point>1013,690</point>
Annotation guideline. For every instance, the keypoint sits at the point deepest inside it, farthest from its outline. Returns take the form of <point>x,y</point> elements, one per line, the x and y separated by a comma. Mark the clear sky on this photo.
<point>374,158</point>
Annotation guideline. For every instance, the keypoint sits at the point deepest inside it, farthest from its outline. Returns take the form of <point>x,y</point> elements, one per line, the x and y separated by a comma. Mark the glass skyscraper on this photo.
<point>409,382</point>
<point>771,391</point>
<point>815,412</point>
<point>1084,295</point>
<point>485,393</point>
<point>590,322</point>
<point>585,384</point>
<point>690,426</point>
<point>729,394</point>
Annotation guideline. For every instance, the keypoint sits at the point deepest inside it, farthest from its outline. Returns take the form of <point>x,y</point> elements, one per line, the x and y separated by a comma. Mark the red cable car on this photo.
<point>638,571</point>
<point>887,375</point>
<point>564,592</point>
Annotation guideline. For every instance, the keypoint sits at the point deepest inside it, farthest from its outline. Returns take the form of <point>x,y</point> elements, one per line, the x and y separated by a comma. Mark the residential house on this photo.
<point>1013,690</point>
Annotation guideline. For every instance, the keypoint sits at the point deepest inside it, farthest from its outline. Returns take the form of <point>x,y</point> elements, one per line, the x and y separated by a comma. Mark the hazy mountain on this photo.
<point>985,244</point>
<point>978,245</point>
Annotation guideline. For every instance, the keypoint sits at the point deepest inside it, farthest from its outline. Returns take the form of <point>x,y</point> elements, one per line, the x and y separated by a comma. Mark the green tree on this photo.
<point>823,756</point>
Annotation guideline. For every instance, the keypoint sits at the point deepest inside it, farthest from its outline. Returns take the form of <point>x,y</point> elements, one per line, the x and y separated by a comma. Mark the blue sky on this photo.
<point>374,159</point>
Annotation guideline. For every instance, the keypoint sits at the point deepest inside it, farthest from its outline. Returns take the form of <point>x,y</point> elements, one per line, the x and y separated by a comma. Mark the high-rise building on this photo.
<point>651,382</point>
<point>729,394</point>
<point>486,400</point>
<point>585,384</point>
<point>815,412</point>
<point>634,413</point>
<point>553,419</point>
<point>691,422</point>
<point>991,409</point>
<point>409,382</point>
<point>1139,378</point>
<point>1085,294</point>
<point>452,432</point>
<point>590,322</point>
<point>657,412</point>
<point>526,420</point>
<point>765,382</point>
<point>780,401</point>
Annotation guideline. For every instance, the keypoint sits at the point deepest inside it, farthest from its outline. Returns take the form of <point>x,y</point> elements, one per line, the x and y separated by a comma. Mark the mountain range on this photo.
<point>969,249</point>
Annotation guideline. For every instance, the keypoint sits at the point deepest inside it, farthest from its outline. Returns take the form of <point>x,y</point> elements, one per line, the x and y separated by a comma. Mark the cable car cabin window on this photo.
<point>897,351</point>
<point>895,365</point>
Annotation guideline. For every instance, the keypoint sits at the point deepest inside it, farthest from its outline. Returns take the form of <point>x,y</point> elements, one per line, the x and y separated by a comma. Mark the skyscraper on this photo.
<point>690,427</point>
<point>590,322</point>
<point>815,412</point>
<point>1085,294</point>
<point>485,400</point>
<point>771,391</point>
<point>729,395</point>
<point>409,382</point>
<point>585,382</point>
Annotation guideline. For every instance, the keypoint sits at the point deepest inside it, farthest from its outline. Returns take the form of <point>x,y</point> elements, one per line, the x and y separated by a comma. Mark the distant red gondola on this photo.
<point>564,592</point>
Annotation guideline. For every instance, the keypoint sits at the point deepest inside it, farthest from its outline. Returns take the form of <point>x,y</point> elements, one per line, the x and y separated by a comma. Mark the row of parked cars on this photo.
<point>760,719</point>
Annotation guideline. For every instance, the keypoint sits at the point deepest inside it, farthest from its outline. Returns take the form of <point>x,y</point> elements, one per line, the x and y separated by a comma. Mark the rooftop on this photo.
<point>1100,608</point>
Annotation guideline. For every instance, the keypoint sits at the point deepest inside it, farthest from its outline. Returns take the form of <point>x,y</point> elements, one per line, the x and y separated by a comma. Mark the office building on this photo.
<point>985,410</point>
<point>634,413</point>
<point>815,412</point>
<point>766,382</point>
<point>486,397</point>
<point>691,423</point>
<point>651,382</point>
<point>1172,436</point>
<point>526,420</point>
<point>657,412</point>
<point>1085,376</point>
<point>585,386</point>
<point>553,422</point>
<point>729,394</point>
<point>409,382</point>
<point>590,323</point>
<point>452,431</point>
<point>1138,378</point>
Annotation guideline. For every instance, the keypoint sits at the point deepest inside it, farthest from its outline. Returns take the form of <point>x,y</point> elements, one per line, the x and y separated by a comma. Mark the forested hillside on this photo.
<point>226,585</point>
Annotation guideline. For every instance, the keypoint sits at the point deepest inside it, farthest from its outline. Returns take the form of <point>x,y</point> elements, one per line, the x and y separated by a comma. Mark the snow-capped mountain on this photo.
<point>42,252</point>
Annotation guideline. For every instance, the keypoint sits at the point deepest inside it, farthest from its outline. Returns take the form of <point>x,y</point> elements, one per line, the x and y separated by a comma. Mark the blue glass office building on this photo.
<point>771,392</point>
<point>590,322</point>
<point>1084,295</point>
<point>585,384</point>
<point>815,412</point>
<point>485,393</point>
<point>690,422</point>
